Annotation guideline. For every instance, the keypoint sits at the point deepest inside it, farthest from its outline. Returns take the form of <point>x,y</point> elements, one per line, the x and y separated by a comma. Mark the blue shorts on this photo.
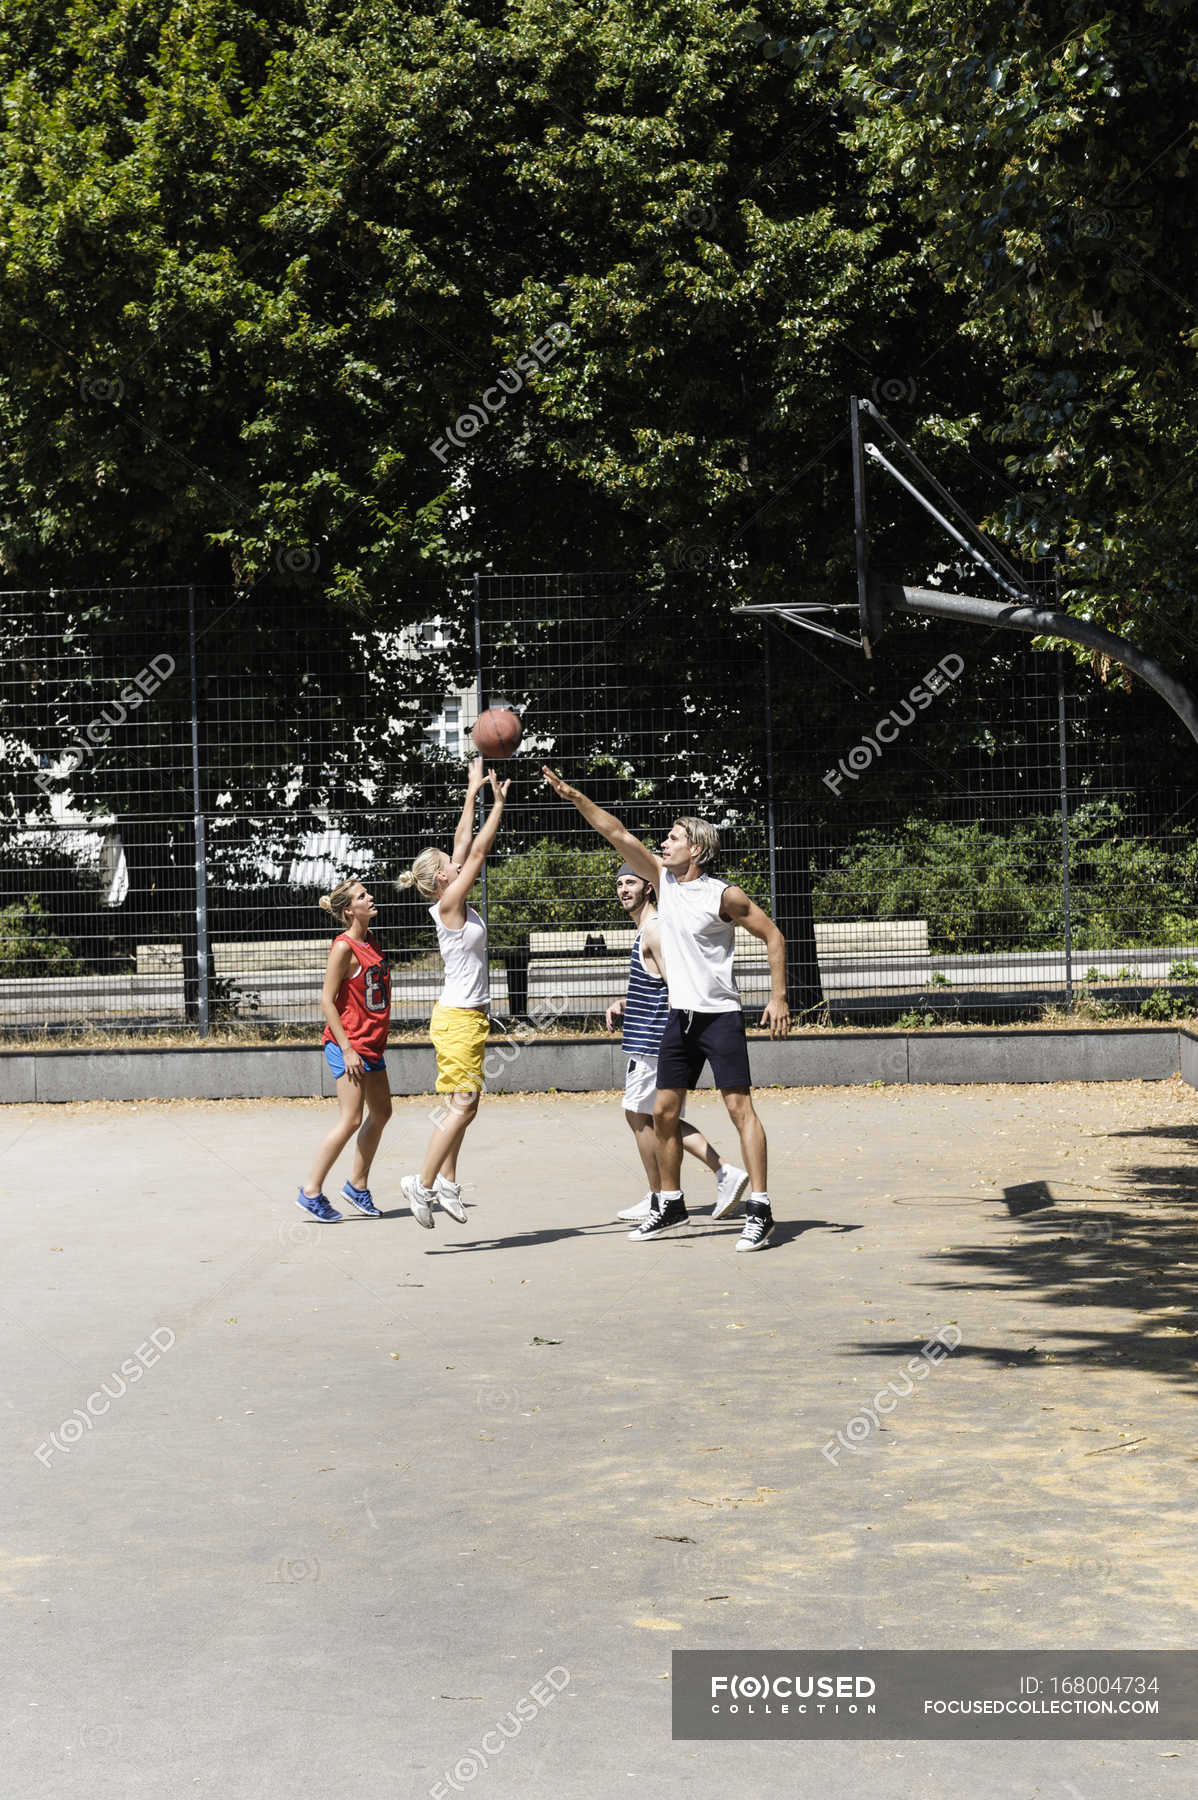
<point>691,1039</point>
<point>336,1062</point>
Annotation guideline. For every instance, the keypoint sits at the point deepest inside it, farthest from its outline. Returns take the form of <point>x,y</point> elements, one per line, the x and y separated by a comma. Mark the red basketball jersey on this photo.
<point>364,999</point>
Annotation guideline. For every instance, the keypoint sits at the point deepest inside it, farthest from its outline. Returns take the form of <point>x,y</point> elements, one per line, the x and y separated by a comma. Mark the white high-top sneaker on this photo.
<point>641,1210</point>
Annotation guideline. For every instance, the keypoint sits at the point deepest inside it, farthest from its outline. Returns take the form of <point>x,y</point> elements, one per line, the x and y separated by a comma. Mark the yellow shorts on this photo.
<point>459,1035</point>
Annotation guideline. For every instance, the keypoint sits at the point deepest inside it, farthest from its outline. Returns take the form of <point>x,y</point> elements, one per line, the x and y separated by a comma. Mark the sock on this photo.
<point>760,1200</point>
<point>721,1170</point>
<point>666,1195</point>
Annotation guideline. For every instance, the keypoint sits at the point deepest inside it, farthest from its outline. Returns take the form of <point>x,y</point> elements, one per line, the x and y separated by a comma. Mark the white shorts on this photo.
<point>640,1084</point>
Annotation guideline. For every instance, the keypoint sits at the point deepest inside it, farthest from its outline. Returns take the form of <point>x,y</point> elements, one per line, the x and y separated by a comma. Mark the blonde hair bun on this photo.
<point>337,902</point>
<point>423,872</point>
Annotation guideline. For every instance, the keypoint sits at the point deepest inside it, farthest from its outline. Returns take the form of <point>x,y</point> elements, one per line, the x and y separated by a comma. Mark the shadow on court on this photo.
<point>785,1231</point>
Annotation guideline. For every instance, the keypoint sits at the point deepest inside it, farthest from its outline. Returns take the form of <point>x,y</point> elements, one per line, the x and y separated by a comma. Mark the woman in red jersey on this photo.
<point>356,1002</point>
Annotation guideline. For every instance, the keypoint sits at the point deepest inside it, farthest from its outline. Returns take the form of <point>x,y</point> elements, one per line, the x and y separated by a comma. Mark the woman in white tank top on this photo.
<point>460,1018</point>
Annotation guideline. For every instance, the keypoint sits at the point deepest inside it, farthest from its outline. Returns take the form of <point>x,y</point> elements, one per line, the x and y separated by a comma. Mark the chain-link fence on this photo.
<point>964,827</point>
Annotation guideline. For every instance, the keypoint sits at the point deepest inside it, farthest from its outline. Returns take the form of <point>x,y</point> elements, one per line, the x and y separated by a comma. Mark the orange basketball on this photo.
<point>497,733</point>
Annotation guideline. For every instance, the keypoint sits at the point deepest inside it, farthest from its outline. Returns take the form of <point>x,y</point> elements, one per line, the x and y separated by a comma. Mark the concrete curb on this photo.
<point>578,1065</point>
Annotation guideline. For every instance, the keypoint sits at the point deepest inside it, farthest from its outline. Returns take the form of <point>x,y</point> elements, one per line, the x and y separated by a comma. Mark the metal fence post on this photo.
<point>201,864</point>
<point>771,837</point>
<point>1064,772</point>
<point>481,705</point>
<point>480,695</point>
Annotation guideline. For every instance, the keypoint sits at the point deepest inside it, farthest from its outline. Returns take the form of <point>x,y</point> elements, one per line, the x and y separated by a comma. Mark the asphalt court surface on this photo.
<point>373,1490</point>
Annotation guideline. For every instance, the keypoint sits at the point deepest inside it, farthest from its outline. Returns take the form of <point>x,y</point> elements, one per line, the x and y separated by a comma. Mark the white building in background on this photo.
<point>450,730</point>
<point>328,856</point>
<point>323,857</point>
<point>95,843</point>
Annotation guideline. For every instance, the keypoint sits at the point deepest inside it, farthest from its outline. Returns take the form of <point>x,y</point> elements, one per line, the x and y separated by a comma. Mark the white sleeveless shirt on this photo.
<point>464,952</point>
<point>697,945</point>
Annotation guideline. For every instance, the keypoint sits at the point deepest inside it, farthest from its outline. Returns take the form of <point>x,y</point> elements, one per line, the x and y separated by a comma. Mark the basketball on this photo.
<point>497,733</point>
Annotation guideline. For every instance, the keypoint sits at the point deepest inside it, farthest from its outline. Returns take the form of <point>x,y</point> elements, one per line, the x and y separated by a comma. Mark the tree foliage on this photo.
<point>256,265</point>
<point>260,266</point>
<point>984,890</point>
<point>1045,152</point>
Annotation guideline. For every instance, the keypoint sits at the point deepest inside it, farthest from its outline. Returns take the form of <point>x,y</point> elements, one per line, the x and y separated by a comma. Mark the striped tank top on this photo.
<point>645,1007</point>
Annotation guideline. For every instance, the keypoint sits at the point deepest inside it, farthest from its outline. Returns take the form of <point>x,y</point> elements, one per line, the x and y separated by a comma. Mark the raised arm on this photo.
<point>475,777</point>
<point>740,910</point>
<point>608,826</point>
<point>453,900</point>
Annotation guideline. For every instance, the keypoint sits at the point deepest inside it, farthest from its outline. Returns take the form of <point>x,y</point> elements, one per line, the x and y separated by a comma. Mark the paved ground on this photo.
<point>382,1482</point>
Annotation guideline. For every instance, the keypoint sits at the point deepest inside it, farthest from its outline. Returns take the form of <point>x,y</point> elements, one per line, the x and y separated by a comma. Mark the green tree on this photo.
<point>1046,156</point>
<point>29,945</point>
<point>549,885</point>
<point>256,266</point>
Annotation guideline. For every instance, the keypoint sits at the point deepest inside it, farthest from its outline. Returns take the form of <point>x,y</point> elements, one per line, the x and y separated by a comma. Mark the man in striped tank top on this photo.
<point>644,1010</point>
<point>698,915</point>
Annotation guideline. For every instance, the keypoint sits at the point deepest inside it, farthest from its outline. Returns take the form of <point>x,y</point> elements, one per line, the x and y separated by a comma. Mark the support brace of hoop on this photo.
<point>1045,621</point>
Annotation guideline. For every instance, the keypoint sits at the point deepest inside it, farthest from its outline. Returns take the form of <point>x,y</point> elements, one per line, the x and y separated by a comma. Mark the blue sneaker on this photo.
<point>360,1197</point>
<point>318,1207</point>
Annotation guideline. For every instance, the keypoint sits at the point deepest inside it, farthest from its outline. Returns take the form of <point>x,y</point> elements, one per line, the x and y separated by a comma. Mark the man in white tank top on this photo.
<point>698,915</point>
<point>644,1010</point>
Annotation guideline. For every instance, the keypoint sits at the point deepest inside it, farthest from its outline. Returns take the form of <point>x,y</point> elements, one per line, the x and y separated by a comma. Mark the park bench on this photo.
<point>595,940</point>
<point>253,958</point>
<point>858,938</point>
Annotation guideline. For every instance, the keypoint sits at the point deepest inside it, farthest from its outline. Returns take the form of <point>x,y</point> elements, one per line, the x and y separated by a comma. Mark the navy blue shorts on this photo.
<point>691,1039</point>
<point>336,1062</point>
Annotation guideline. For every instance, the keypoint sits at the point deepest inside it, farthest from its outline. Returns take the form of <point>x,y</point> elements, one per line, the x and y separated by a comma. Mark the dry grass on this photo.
<point>257,1037</point>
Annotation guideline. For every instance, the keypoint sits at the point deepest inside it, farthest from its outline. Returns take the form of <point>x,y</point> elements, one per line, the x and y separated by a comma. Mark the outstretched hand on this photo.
<point>499,788</point>
<point>561,788</point>
<point>476,774</point>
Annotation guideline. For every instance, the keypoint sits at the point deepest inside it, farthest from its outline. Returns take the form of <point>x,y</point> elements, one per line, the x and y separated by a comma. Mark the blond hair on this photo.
<point>338,901</point>
<point>423,872</point>
<point>704,839</point>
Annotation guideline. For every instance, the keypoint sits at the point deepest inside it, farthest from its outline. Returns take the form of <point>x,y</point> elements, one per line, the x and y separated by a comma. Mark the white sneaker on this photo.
<point>729,1190</point>
<point>449,1193</point>
<point>641,1210</point>
<point>757,1228</point>
<point>420,1199</point>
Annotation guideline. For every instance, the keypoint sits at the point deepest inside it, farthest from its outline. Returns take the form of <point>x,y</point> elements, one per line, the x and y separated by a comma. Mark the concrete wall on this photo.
<point>1112,1055</point>
<point>571,1065</point>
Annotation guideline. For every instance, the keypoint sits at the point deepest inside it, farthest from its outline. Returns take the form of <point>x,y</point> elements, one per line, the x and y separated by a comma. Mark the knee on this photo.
<point>740,1107</point>
<point>637,1121</point>
<point>381,1111</point>
<point>667,1111</point>
<point>465,1103</point>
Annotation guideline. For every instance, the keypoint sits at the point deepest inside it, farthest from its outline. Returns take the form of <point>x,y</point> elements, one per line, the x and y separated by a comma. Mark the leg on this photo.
<point>441,1157</point>
<point>667,1122</point>
<point>739,1102</point>
<point>378,1105</point>
<point>643,1131</point>
<point>696,1144</point>
<point>349,1117</point>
